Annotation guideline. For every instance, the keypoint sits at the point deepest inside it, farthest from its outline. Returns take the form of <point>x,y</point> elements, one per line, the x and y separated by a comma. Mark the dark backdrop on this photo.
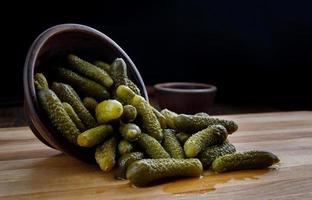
<point>256,52</point>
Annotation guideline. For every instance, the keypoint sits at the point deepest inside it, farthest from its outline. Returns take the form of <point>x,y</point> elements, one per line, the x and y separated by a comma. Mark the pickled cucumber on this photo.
<point>211,153</point>
<point>193,123</point>
<point>245,160</point>
<point>94,136</point>
<point>124,147</point>
<point>152,147</point>
<point>41,81</point>
<point>146,171</point>
<point>133,86</point>
<point>213,135</point>
<point>161,119</point>
<point>125,161</point>
<point>124,93</point>
<point>57,115</point>
<point>64,92</point>
<point>170,117</point>
<point>182,137</point>
<point>150,124</point>
<point>129,114</point>
<point>172,145</point>
<point>89,70</point>
<point>86,86</point>
<point>90,103</point>
<point>105,155</point>
<point>108,110</point>
<point>130,131</point>
<point>102,65</point>
<point>74,117</point>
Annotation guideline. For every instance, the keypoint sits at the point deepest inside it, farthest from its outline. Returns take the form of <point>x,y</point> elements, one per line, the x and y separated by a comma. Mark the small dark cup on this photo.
<point>184,97</point>
<point>56,43</point>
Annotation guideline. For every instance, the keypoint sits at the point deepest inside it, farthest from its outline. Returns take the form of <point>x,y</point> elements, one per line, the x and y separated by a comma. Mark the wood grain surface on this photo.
<point>30,170</point>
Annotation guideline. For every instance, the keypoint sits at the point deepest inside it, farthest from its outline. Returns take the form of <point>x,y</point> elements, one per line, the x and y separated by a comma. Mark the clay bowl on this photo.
<point>185,97</point>
<point>53,44</point>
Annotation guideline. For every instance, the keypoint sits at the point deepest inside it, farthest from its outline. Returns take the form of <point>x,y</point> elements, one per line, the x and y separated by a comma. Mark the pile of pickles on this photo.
<point>96,105</point>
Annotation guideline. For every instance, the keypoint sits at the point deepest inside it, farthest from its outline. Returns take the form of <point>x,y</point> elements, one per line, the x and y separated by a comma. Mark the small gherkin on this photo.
<point>90,70</point>
<point>152,147</point>
<point>90,103</point>
<point>64,92</point>
<point>105,154</point>
<point>57,115</point>
<point>213,135</point>
<point>170,117</point>
<point>124,162</point>
<point>94,136</point>
<point>161,119</point>
<point>124,147</point>
<point>40,81</point>
<point>172,145</point>
<point>182,137</point>
<point>129,114</point>
<point>74,117</point>
<point>145,171</point>
<point>86,86</point>
<point>103,65</point>
<point>130,131</point>
<point>244,160</point>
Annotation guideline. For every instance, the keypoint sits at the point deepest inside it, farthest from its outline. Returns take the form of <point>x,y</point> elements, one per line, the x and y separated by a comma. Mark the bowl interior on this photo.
<point>51,48</point>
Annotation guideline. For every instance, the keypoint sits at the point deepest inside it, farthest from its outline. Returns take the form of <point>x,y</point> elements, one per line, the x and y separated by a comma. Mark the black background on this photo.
<point>255,52</point>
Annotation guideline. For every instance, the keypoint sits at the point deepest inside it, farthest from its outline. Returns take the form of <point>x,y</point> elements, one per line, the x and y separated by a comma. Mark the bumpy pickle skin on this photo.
<point>108,110</point>
<point>129,114</point>
<point>193,123</point>
<point>172,145</point>
<point>152,147</point>
<point>213,135</point>
<point>124,147</point>
<point>211,153</point>
<point>86,86</point>
<point>89,70</point>
<point>245,160</point>
<point>170,117</point>
<point>133,86</point>
<point>94,136</point>
<point>74,117</point>
<point>90,103</point>
<point>124,93</point>
<point>57,115</point>
<point>41,81</point>
<point>105,155</point>
<point>130,131</point>
<point>125,161</point>
<point>146,171</point>
<point>182,137</point>
<point>103,65</point>
<point>64,92</point>
<point>161,119</point>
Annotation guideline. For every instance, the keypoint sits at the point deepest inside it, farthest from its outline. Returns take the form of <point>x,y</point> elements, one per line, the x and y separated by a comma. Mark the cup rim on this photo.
<point>169,87</point>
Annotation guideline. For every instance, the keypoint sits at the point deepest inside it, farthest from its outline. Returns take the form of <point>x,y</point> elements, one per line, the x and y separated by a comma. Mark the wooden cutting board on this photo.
<point>30,170</point>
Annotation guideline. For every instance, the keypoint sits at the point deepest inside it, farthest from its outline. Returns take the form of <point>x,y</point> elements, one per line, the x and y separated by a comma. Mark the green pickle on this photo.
<point>130,131</point>
<point>125,161</point>
<point>89,70</point>
<point>124,147</point>
<point>211,153</point>
<point>103,65</point>
<point>86,86</point>
<point>124,93</point>
<point>129,114</point>
<point>74,117</point>
<point>41,81</point>
<point>193,123</point>
<point>213,135</point>
<point>133,86</point>
<point>90,103</point>
<point>146,171</point>
<point>170,117</point>
<point>245,160</point>
<point>152,147</point>
<point>57,115</point>
<point>64,92</point>
<point>172,145</point>
<point>94,136</point>
<point>161,119</point>
<point>182,137</point>
<point>105,155</point>
<point>108,110</point>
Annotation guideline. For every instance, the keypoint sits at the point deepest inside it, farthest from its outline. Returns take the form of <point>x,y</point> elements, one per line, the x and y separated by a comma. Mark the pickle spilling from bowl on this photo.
<point>108,116</point>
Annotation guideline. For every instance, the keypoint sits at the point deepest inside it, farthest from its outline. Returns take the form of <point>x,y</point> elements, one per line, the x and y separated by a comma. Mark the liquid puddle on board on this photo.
<point>209,180</point>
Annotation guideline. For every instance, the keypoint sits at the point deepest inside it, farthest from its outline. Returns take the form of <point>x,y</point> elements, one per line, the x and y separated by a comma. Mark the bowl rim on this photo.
<point>31,104</point>
<point>167,87</point>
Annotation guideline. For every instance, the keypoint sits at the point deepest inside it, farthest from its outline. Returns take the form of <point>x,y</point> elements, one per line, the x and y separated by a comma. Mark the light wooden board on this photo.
<point>30,170</point>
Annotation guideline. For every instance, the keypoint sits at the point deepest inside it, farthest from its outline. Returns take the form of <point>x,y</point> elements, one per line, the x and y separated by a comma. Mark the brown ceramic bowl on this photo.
<point>56,43</point>
<point>185,97</point>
